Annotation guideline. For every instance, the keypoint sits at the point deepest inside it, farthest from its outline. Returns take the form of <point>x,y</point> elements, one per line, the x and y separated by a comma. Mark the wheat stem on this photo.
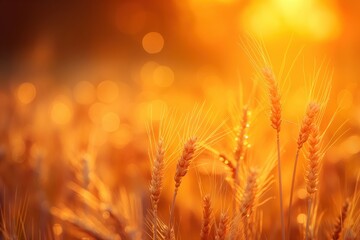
<point>172,207</point>
<point>292,190</point>
<point>156,183</point>
<point>280,187</point>
<point>308,219</point>
<point>275,119</point>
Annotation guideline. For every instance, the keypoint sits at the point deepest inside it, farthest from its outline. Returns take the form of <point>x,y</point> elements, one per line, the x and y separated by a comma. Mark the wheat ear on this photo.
<point>340,221</point>
<point>241,135</point>
<point>222,228</point>
<point>312,170</point>
<point>275,119</point>
<point>207,218</point>
<point>157,182</point>
<point>229,164</point>
<point>181,170</point>
<point>248,200</point>
<point>306,126</point>
<point>239,152</point>
<point>170,234</point>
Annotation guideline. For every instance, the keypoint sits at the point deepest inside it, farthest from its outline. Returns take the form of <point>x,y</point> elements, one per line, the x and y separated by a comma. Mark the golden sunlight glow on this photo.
<point>84,92</point>
<point>18,148</point>
<point>323,23</point>
<point>301,193</point>
<point>153,42</point>
<point>61,112</point>
<point>122,136</point>
<point>26,92</point>
<point>96,111</point>
<point>163,76</point>
<point>345,99</point>
<point>147,71</point>
<point>57,229</point>
<point>107,91</point>
<point>261,18</point>
<point>198,2</point>
<point>110,122</point>
<point>310,19</point>
<point>301,218</point>
<point>153,109</point>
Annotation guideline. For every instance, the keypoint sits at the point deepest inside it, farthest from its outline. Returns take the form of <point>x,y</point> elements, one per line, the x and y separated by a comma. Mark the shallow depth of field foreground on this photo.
<point>194,119</point>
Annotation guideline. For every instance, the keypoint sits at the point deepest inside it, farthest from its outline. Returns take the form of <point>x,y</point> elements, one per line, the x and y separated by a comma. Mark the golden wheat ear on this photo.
<point>351,228</point>
<point>313,163</point>
<point>275,98</point>
<point>241,135</point>
<point>94,229</point>
<point>182,168</point>
<point>312,170</point>
<point>338,227</point>
<point>207,218</point>
<point>307,124</point>
<point>170,234</point>
<point>157,182</point>
<point>275,119</point>
<point>222,228</point>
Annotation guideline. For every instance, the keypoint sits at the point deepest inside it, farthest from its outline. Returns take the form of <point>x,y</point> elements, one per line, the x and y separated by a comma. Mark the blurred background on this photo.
<point>158,46</point>
<point>81,75</point>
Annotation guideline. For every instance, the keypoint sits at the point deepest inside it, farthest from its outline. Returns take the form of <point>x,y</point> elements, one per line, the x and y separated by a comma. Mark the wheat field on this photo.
<point>261,145</point>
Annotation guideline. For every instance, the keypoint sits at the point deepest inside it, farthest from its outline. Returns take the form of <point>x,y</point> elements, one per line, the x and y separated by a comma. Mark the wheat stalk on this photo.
<point>170,234</point>
<point>239,152</point>
<point>241,135</point>
<point>222,228</point>
<point>308,123</point>
<point>85,225</point>
<point>275,119</point>
<point>249,194</point>
<point>181,170</point>
<point>306,126</point>
<point>248,200</point>
<point>156,182</point>
<point>312,169</point>
<point>340,221</point>
<point>207,218</point>
<point>275,99</point>
<point>229,164</point>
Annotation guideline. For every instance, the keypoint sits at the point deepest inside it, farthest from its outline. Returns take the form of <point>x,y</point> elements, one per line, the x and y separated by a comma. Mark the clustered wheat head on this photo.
<point>307,126</point>
<point>182,168</point>
<point>275,98</point>
<point>338,227</point>
<point>313,163</point>
<point>308,123</point>
<point>312,170</point>
<point>207,218</point>
<point>222,227</point>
